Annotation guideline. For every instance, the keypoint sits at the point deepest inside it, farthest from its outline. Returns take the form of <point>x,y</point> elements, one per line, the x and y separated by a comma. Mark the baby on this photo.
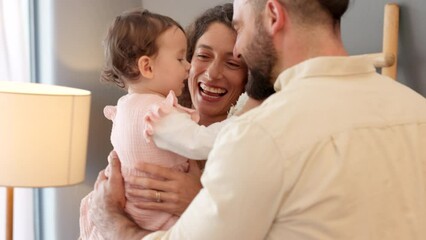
<point>145,54</point>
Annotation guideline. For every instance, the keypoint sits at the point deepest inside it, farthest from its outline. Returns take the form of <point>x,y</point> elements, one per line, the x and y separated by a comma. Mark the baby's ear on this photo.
<point>109,112</point>
<point>145,67</point>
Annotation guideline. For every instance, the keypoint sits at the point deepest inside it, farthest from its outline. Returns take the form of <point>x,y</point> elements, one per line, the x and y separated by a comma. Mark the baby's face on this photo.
<point>170,66</point>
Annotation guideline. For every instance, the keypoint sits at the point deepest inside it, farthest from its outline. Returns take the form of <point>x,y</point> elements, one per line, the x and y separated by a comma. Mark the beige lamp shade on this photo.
<point>43,134</point>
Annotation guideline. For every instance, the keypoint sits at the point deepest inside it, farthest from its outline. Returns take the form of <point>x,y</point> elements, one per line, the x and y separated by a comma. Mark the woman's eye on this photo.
<point>202,56</point>
<point>233,65</point>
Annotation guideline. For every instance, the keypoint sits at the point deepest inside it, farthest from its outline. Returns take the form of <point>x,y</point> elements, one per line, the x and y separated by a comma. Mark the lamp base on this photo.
<point>9,213</point>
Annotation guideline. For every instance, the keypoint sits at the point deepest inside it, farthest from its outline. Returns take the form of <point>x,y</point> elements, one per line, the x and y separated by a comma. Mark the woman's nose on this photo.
<point>214,71</point>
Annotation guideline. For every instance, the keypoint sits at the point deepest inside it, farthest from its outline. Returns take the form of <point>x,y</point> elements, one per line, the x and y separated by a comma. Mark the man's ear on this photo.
<point>145,67</point>
<point>275,16</point>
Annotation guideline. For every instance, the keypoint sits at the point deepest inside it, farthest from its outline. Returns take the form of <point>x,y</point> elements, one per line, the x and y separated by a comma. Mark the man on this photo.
<point>337,153</point>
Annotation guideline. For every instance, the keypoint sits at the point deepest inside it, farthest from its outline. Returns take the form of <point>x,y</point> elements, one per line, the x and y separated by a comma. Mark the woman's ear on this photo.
<point>145,67</point>
<point>275,16</point>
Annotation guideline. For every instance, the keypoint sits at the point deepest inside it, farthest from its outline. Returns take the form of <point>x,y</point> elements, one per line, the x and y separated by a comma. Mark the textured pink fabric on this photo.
<point>129,143</point>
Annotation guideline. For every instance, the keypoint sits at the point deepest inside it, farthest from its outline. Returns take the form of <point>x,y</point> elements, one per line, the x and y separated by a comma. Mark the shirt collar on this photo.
<point>325,66</point>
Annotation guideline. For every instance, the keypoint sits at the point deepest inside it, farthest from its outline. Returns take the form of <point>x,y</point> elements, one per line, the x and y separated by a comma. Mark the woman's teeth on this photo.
<point>212,90</point>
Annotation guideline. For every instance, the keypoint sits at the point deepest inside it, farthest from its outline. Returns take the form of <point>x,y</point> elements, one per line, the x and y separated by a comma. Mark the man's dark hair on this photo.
<point>309,11</point>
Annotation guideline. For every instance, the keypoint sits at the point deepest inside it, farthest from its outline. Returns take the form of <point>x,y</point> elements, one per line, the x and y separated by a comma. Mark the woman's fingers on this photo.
<point>152,195</point>
<point>149,183</point>
<point>157,200</point>
<point>159,206</point>
<point>158,171</point>
<point>175,189</point>
<point>140,193</point>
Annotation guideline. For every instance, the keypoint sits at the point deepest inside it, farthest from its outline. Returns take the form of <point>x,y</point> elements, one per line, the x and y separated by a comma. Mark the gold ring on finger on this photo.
<point>158,196</point>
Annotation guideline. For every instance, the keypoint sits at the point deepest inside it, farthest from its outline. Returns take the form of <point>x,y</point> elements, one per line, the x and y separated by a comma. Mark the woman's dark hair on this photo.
<point>218,14</point>
<point>132,35</point>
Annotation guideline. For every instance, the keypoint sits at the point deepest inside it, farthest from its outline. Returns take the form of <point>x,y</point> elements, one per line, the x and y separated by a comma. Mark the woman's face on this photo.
<point>216,78</point>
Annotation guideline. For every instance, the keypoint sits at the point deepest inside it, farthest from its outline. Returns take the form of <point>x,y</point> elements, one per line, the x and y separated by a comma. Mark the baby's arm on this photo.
<point>243,105</point>
<point>177,132</point>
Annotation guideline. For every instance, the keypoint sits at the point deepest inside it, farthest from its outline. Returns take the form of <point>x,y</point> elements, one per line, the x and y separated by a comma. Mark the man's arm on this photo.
<point>107,206</point>
<point>243,183</point>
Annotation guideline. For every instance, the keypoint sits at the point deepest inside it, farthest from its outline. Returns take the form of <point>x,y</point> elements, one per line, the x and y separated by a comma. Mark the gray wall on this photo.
<point>70,54</point>
<point>362,31</point>
<point>363,28</point>
<point>184,11</point>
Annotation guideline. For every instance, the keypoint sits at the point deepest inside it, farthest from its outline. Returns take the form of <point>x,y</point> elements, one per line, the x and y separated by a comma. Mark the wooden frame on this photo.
<point>388,59</point>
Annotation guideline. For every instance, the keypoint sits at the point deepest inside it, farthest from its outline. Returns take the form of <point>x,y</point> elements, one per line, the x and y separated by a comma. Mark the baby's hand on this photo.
<point>249,104</point>
<point>159,110</point>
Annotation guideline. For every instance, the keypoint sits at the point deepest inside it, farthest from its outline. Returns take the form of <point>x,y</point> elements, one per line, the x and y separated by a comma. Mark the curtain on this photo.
<point>15,66</point>
<point>14,41</point>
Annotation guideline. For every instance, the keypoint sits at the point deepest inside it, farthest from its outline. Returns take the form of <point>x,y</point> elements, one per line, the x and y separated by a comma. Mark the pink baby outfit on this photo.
<point>128,141</point>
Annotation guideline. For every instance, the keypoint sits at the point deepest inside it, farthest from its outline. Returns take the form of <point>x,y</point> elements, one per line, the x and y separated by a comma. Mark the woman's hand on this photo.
<point>175,192</point>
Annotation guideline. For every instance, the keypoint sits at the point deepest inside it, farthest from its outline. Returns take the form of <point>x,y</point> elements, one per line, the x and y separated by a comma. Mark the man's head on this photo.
<point>308,11</point>
<point>271,32</point>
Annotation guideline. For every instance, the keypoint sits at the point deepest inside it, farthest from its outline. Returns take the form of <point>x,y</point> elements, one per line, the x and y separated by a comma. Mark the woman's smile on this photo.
<point>211,91</point>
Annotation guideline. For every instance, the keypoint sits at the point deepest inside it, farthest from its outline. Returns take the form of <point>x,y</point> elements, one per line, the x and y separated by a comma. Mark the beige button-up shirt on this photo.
<point>339,152</point>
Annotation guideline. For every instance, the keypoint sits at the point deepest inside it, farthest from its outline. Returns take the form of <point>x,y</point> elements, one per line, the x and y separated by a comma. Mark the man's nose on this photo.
<point>236,53</point>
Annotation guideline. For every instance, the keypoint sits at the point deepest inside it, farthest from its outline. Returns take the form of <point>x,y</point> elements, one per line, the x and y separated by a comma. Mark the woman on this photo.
<point>216,80</point>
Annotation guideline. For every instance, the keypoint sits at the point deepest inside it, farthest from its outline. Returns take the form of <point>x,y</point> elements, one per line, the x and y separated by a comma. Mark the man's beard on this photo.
<point>260,58</point>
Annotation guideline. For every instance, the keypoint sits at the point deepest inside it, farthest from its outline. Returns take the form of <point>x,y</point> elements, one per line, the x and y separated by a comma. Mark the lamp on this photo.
<point>43,137</point>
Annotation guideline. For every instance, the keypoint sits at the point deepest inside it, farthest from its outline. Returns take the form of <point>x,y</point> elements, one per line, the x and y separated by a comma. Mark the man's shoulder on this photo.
<point>256,116</point>
<point>268,118</point>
